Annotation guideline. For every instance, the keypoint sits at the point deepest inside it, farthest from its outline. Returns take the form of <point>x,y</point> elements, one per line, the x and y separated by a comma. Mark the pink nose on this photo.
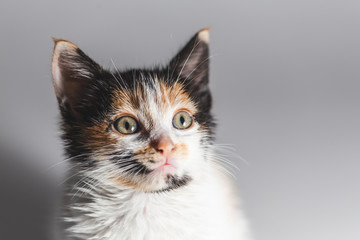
<point>164,145</point>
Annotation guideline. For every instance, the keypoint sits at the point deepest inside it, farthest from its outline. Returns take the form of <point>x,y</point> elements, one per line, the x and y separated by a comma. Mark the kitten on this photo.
<point>140,142</point>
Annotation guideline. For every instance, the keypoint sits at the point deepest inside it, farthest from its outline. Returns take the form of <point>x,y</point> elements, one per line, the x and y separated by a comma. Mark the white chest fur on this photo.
<point>200,210</point>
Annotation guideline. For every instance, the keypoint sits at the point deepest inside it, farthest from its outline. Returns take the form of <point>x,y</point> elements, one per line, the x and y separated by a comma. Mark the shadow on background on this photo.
<point>29,197</point>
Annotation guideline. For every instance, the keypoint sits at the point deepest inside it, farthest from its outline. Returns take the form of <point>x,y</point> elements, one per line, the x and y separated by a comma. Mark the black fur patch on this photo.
<point>175,182</point>
<point>127,161</point>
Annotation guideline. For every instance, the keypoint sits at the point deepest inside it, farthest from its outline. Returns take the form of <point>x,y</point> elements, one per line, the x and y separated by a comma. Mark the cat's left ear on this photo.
<point>73,73</point>
<point>191,66</point>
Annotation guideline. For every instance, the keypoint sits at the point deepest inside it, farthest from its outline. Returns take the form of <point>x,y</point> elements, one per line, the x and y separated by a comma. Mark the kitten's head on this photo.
<point>144,129</point>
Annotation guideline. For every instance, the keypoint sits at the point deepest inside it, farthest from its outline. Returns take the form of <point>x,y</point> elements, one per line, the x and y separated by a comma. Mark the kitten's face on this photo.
<point>143,129</point>
<point>145,145</point>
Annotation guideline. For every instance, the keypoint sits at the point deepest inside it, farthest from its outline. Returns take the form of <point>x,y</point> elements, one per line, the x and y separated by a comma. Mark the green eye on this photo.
<point>182,120</point>
<point>126,125</point>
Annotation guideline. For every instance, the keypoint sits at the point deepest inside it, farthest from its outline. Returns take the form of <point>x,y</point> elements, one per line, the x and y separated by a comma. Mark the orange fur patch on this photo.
<point>126,183</point>
<point>96,137</point>
<point>181,150</point>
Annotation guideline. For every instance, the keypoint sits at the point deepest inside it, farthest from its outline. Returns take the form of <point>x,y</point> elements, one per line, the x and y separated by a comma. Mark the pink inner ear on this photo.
<point>61,47</point>
<point>57,79</point>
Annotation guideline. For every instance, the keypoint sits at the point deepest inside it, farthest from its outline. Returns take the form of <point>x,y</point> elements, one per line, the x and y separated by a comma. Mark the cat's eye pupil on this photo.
<point>127,125</point>
<point>182,120</point>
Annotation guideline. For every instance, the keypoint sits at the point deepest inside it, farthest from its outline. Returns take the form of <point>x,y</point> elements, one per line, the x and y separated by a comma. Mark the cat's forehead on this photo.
<point>151,97</point>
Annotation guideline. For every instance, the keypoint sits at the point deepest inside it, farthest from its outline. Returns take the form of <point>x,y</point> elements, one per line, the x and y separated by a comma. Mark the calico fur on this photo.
<point>121,189</point>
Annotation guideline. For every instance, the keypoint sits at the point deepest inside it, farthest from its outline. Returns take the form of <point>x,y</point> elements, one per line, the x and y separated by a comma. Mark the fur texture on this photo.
<point>158,181</point>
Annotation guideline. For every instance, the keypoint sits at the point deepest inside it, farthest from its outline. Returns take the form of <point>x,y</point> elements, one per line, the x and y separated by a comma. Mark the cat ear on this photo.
<point>191,66</point>
<point>72,71</point>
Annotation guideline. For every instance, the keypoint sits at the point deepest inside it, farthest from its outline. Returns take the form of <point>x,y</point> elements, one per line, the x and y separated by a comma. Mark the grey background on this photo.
<point>285,78</point>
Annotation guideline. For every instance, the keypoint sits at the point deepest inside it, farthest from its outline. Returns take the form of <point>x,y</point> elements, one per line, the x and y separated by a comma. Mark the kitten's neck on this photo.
<point>112,208</point>
<point>107,211</point>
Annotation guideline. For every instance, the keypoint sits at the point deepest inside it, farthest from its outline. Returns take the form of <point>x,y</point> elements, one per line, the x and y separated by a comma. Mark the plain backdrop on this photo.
<point>285,79</point>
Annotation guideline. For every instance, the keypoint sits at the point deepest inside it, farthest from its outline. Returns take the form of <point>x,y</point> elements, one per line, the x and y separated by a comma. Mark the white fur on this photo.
<point>201,210</point>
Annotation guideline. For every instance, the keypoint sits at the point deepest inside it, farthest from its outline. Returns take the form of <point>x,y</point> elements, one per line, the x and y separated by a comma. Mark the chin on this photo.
<point>171,182</point>
<point>163,178</point>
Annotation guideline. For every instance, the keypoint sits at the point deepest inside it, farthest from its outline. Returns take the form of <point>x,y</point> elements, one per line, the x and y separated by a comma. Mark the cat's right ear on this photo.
<point>72,71</point>
<point>191,66</point>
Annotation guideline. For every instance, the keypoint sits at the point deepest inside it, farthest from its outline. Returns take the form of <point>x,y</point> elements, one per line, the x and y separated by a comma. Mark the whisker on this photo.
<point>202,62</point>
<point>64,161</point>
<point>118,72</point>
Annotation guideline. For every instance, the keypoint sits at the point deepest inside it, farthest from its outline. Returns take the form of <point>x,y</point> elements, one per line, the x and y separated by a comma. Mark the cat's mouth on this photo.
<point>165,169</point>
<point>154,179</point>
